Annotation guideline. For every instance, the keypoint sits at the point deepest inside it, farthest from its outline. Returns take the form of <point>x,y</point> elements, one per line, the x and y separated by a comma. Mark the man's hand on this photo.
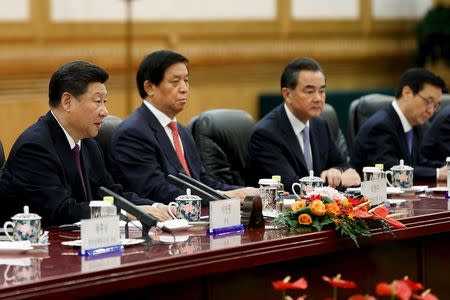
<point>160,212</point>
<point>442,173</point>
<point>332,176</point>
<point>241,193</point>
<point>350,178</point>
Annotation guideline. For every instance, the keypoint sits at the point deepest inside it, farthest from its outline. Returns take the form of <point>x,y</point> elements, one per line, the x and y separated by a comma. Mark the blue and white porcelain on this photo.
<point>26,226</point>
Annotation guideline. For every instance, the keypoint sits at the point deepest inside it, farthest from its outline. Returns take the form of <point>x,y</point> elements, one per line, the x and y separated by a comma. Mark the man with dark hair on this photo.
<point>151,144</point>
<point>394,132</point>
<point>292,139</point>
<point>55,167</point>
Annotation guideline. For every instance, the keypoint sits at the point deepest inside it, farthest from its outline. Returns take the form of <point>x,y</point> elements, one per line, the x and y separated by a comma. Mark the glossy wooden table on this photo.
<point>197,266</point>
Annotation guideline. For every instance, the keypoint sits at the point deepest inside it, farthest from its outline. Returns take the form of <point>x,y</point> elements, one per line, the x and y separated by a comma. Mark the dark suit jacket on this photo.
<point>381,139</point>
<point>41,172</point>
<point>436,142</point>
<point>273,149</point>
<point>142,156</point>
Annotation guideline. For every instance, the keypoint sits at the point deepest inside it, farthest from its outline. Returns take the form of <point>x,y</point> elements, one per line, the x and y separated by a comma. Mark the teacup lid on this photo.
<point>188,196</point>
<point>26,215</point>
<point>402,166</point>
<point>267,181</point>
<point>311,178</point>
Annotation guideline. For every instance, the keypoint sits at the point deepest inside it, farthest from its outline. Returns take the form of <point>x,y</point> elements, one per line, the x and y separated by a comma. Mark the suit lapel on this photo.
<point>401,136</point>
<point>85,165</point>
<point>291,138</point>
<point>66,157</point>
<point>162,138</point>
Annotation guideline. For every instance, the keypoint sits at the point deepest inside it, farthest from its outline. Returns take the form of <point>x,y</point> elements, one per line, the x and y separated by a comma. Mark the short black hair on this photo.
<point>74,78</point>
<point>154,66</point>
<point>415,78</point>
<point>289,78</point>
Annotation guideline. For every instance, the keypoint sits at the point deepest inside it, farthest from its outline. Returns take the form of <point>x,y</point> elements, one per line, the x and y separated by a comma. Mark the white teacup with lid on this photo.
<point>307,184</point>
<point>26,226</point>
<point>401,175</point>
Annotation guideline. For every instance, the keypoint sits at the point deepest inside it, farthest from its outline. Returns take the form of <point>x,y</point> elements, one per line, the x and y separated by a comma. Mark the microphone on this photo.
<point>184,184</point>
<point>146,220</point>
<point>203,186</point>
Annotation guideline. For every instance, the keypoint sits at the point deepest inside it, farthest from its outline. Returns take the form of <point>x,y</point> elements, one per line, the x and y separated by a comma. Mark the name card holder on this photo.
<point>224,216</point>
<point>100,236</point>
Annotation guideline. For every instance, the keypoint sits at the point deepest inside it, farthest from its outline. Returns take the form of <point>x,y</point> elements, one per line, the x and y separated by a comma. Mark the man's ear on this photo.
<point>407,91</point>
<point>149,88</point>
<point>286,93</point>
<point>66,101</point>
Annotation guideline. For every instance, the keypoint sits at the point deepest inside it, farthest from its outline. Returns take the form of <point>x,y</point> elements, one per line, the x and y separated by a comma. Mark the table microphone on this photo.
<point>184,185</point>
<point>203,186</point>
<point>146,219</point>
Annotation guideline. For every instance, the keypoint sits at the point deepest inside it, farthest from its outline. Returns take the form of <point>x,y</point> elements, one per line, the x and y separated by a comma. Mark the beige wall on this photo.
<point>232,62</point>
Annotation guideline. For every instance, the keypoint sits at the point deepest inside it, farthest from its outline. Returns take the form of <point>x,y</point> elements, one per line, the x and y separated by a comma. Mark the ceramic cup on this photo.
<point>401,176</point>
<point>26,226</point>
<point>187,206</point>
<point>28,271</point>
<point>307,184</point>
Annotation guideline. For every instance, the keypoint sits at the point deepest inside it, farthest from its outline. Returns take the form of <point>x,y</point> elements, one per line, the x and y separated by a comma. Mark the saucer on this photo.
<point>15,247</point>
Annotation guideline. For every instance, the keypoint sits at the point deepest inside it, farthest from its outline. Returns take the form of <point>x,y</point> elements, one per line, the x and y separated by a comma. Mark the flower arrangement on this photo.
<point>403,289</point>
<point>326,208</point>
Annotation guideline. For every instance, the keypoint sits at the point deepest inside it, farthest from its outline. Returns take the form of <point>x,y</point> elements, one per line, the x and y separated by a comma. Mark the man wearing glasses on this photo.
<point>394,132</point>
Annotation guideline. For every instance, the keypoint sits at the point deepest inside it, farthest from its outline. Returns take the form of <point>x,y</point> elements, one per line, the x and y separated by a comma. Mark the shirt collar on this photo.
<point>405,124</point>
<point>163,119</point>
<point>296,124</point>
<point>69,138</point>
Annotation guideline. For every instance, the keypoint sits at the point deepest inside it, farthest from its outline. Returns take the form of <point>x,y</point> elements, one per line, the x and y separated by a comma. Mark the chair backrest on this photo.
<point>329,114</point>
<point>445,100</point>
<point>363,108</point>
<point>104,135</point>
<point>221,136</point>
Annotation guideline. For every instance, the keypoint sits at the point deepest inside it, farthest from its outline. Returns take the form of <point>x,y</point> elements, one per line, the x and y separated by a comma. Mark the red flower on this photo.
<point>414,286</point>
<point>315,197</point>
<point>426,296</point>
<point>282,285</point>
<point>402,290</point>
<point>338,282</point>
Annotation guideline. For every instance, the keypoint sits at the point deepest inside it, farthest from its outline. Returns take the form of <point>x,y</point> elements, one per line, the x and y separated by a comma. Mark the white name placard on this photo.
<point>224,213</point>
<point>100,232</point>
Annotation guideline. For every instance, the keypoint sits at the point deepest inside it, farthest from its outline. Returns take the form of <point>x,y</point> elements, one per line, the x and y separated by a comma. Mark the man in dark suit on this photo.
<point>55,167</point>
<point>436,142</point>
<point>150,144</point>
<point>292,139</point>
<point>393,133</point>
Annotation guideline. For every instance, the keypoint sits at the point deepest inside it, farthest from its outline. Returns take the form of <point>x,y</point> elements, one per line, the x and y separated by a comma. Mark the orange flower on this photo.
<point>284,284</point>
<point>317,207</point>
<point>332,209</point>
<point>297,205</point>
<point>304,219</point>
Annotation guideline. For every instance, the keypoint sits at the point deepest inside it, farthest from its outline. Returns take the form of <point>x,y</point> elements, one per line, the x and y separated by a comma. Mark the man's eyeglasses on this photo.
<point>430,103</point>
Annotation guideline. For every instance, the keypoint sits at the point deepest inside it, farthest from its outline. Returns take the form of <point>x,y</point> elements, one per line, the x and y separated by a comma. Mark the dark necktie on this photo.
<point>307,148</point>
<point>177,144</point>
<point>76,153</point>
<point>409,140</point>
